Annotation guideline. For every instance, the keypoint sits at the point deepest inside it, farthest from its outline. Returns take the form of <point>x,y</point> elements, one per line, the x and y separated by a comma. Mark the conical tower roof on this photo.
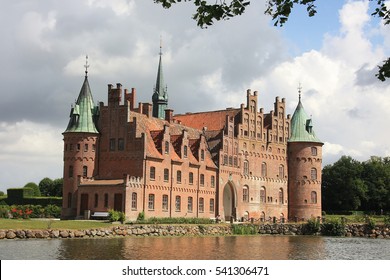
<point>302,126</point>
<point>84,114</point>
<point>160,90</point>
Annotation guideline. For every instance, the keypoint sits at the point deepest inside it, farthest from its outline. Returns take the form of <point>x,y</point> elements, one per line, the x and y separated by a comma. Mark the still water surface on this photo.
<point>198,248</point>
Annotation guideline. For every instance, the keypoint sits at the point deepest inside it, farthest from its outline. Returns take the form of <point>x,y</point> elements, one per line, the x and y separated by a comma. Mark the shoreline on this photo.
<point>146,230</point>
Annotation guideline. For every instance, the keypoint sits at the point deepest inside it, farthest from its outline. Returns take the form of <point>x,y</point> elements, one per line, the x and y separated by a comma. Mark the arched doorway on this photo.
<point>229,201</point>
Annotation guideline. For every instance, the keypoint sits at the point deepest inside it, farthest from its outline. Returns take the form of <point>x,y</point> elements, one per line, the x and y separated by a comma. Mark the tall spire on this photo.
<point>160,94</point>
<point>84,113</point>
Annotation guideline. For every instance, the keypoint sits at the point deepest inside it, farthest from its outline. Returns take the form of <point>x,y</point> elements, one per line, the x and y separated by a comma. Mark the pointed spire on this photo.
<point>84,113</point>
<point>160,95</point>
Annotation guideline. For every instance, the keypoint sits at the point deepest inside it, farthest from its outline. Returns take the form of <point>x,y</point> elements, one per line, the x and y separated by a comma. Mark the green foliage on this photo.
<point>370,223</point>
<point>386,221</point>
<point>52,211</point>
<point>34,187</point>
<point>2,193</point>
<point>167,220</point>
<point>333,228</point>
<point>313,226</point>
<point>4,211</point>
<point>244,229</point>
<point>116,216</point>
<point>51,187</point>
<point>141,216</point>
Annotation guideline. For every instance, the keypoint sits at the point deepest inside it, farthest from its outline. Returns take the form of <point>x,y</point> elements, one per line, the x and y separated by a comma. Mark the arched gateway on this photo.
<point>229,201</point>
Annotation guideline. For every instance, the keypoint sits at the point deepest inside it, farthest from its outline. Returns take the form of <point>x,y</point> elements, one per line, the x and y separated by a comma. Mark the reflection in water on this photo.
<point>202,248</point>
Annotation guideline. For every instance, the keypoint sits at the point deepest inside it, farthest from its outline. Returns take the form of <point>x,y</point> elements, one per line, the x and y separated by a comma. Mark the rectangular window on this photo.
<point>245,194</point>
<point>78,147</point>
<point>121,144</point>
<point>177,203</point>
<point>93,147</point>
<point>166,147</point>
<point>112,144</point>
<point>178,179</point>
<point>85,171</point>
<point>152,173</point>
<point>165,202</point>
<point>70,171</point>
<point>151,202</point>
<point>134,201</point>
<point>202,155</point>
<point>166,175</point>
<point>201,179</point>
<point>191,178</point>
<point>85,147</point>
<point>212,181</point>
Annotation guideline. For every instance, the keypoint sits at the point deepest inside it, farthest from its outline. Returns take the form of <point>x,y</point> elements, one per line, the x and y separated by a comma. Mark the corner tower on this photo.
<point>304,167</point>
<point>160,94</point>
<point>80,141</point>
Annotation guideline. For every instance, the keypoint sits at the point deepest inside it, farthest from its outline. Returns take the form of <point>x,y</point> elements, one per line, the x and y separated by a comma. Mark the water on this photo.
<point>198,248</point>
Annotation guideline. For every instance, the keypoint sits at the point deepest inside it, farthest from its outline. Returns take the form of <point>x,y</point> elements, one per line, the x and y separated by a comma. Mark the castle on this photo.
<point>232,164</point>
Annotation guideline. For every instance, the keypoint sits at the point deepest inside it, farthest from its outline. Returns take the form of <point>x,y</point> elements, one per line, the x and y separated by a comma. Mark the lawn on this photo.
<point>52,224</point>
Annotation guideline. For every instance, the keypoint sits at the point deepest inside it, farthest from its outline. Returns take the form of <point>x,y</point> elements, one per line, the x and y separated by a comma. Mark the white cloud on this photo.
<point>120,7</point>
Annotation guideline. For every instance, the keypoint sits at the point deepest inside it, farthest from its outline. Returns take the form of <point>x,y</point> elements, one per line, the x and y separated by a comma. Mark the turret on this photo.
<point>160,94</point>
<point>80,145</point>
<point>304,167</point>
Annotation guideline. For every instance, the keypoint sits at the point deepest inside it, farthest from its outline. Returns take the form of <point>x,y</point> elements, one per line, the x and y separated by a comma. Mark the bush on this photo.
<point>4,211</point>
<point>333,228</point>
<point>116,216</point>
<point>52,211</point>
<point>244,229</point>
<point>370,223</point>
<point>313,226</point>
<point>386,221</point>
<point>141,216</point>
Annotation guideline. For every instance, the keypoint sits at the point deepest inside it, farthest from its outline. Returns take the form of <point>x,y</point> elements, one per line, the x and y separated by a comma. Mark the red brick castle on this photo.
<point>232,163</point>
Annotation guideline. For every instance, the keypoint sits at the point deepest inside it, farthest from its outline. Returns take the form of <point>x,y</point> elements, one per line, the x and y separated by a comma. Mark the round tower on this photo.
<point>80,145</point>
<point>304,167</point>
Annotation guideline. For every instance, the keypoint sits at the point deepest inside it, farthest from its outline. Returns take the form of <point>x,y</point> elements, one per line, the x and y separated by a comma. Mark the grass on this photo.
<point>51,224</point>
<point>353,219</point>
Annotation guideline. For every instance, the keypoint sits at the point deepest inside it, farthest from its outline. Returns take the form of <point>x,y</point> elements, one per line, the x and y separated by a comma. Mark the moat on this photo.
<point>198,248</point>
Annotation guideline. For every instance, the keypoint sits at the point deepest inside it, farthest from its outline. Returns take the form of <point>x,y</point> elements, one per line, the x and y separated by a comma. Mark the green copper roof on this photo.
<point>302,126</point>
<point>84,113</point>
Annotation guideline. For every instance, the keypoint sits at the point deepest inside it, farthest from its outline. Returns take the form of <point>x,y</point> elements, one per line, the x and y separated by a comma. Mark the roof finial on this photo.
<point>160,45</point>
<point>299,90</point>
<point>86,66</point>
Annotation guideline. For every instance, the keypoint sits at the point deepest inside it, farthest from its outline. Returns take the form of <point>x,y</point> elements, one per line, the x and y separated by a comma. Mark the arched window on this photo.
<point>178,203</point>
<point>263,169</point>
<point>165,202</point>
<point>262,216</point>
<point>246,167</point>
<point>313,173</point>
<point>178,176</point>
<point>134,201</point>
<point>281,171</point>
<point>191,178</point>
<point>313,197</point>
<point>201,204</point>
<point>70,171</point>
<point>151,202</point>
<point>262,195</point>
<point>166,175</point>
<point>202,154</point>
<point>313,151</point>
<point>189,204</point>
<point>212,181</point>
<point>245,194</point>
<point>281,196</point>
<point>152,173</point>
<point>202,179</point>
<point>212,206</point>
<point>185,152</point>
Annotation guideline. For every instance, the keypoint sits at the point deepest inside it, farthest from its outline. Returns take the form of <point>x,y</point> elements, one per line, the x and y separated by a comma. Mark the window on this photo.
<point>152,173</point>
<point>212,205</point>
<point>121,144</point>
<point>313,174</point>
<point>166,147</point>
<point>313,151</point>
<point>263,169</point>
<point>151,202</point>
<point>165,202</point>
<point>70,171</point>
<point>189,204</point>
<point>96,200</point>
<point>112,144</point>
<point>281,171</point>
<point>313,197</point>
<point>225,160</point>
<point>235,161</point>
<point>178,176</point>
<point>85,147</point>
<point>262,194</point>
<point>166,175</point>
<point>106,200</point>
<point>93,147</point>
<point>246,167</point>
<point>201,179</point>
<point>78,147</point>
<point>202,154</point>
<point>85,171</point>
<point>69,200</point>
<point>245,194</point>
<point>281,196</point>
<point>230,161</point>
<point>191,178</point>
<point>201,204</point>
<point>177,203</point>
<point>212,181</point>
<point>185,152</point>
<point>134,201</point>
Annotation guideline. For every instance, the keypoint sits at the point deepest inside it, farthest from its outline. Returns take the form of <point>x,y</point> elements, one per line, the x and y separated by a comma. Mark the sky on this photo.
<point>334,56</point>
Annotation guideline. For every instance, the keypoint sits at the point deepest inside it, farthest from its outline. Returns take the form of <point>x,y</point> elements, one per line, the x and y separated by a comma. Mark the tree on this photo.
<point>46,185</point>
<point>57,187</point>
<point>2,193</point>
<point>342,186</point>
<point>34,187</point>
<point>206,14</point>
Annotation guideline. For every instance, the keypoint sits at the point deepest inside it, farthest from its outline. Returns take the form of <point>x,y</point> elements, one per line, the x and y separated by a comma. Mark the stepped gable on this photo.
<point>214,120</point>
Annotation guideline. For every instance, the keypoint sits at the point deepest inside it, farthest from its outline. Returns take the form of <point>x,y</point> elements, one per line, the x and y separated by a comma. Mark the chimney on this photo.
<point>169,115</point>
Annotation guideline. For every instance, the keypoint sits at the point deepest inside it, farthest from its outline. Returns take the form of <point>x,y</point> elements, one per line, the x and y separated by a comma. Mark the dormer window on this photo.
<point>185,151</point>
<point>166,147</point>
